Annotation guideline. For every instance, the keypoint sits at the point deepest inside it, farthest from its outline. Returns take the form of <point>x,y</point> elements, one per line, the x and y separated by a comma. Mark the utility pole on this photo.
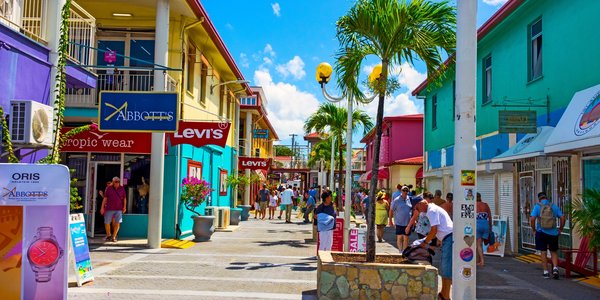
<point>293,135</point>
<point>464,255</point>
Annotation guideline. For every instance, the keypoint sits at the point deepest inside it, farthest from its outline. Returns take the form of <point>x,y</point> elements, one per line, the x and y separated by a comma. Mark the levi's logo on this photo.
<point>250,163</point>
<point>189,133</point>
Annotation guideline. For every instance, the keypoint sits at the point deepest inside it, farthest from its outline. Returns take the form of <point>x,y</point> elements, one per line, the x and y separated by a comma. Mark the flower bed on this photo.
<point>337,278</point>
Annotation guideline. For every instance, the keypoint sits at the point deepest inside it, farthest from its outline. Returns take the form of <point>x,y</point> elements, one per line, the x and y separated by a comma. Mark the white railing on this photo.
<point>82,32</point>
<point>138,80</point>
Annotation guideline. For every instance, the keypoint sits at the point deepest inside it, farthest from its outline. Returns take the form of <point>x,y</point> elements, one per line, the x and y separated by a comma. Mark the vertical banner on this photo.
<point>34,210</point>
<point>499,228</point>
<point>81,252</point>
<point>338,236</point>
<point>358,240</point>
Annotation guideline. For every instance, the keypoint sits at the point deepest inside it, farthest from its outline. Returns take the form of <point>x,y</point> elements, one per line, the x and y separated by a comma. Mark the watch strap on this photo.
<point>43,275</point>
<point>45,232</point>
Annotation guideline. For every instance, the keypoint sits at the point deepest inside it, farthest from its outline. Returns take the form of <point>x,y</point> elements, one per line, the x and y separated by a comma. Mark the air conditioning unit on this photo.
<point>222,217</point>
<point>31,123</point>
<point>210,211</point>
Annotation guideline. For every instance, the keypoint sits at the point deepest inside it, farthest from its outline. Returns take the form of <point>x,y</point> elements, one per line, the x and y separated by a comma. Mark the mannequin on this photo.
<point>143,191</point>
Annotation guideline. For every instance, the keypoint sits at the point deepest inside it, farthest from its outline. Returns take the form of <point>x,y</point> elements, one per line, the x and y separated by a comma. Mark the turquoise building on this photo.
<point>537,56</point>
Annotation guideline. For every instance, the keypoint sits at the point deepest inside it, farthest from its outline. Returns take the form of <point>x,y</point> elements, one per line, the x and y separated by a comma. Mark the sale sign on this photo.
<point>253,163</point>
<point>200,133</point>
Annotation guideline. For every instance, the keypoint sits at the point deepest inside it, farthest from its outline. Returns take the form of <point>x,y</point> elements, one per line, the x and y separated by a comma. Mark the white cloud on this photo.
<point>401,104</point>
<point>269,50</point>
<point>229,26</point>
<point>244,60</point>
<point>276,9</point>
<point>294,67</point>
<point>494,2</point>
<point>288,107</point>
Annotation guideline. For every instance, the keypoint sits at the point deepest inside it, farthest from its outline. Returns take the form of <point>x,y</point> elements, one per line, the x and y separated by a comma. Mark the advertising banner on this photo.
<point>252,163</point>
<point>81,251</point>
<point>34,210</point>
<point>338,236</point>
<point>138,111</point>
<point>499,228</point>
<point>200,133</point>
<point>108,142</point>
<point>358,239</point>
<point>261,133</point>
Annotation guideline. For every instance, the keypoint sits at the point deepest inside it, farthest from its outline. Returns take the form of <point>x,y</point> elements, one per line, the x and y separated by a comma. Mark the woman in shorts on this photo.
<point>273,199</point>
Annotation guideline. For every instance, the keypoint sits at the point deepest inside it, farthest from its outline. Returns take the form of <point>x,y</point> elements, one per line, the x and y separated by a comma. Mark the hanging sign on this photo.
<point>517,121</point>
<point>108,142</point>
<point>253,163</point>
<point>261,133</point>
<point>81,260</point>
<point>200,134</point>
<point>138,111</point>
<point>34,211</point>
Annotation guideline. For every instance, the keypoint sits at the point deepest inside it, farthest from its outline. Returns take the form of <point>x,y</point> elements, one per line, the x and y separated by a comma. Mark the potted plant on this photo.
<point>585,214</point>
<point>193,194</point>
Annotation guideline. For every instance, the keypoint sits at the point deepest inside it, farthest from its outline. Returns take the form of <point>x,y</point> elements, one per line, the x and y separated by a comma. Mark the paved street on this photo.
<point>272,260</point>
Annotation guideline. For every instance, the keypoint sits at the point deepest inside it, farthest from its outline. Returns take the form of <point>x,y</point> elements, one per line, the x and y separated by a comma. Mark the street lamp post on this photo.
<point>324,71</point>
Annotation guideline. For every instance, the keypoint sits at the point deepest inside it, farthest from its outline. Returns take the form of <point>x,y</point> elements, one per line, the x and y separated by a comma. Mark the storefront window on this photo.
<point>591,173</point>
<point>136,176</point>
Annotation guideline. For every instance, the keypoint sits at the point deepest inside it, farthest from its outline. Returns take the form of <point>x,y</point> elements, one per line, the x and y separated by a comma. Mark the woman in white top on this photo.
<point>272,204</point>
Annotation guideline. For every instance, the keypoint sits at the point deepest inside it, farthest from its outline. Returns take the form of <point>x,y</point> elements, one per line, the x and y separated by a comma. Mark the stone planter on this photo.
<point>245,212</point>
<point>204,227</point>
<point>235,215</point>
<point>347,280</point>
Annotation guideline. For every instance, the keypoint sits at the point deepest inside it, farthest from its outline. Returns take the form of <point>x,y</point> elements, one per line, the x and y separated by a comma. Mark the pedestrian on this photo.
<point>448,205</point>
<point>286,199</point>
<point>273,199</point>
<point>484,225</point>
<point>256,206</point>
<point>325,216</point>
<point>296,197</point>
<point>264,200</point>
<point>420,220</point>
<point>382,211</point>
<point>310,206</point>
<point>365,205</point>
<point>398,191</point>
<point>546,233</point>
<point>441,228</point>
<point>114,205</point>
<point>400,216</point>
<point>437,198</point>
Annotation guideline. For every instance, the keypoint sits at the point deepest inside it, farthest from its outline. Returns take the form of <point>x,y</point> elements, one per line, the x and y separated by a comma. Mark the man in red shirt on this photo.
<point>113,206</point>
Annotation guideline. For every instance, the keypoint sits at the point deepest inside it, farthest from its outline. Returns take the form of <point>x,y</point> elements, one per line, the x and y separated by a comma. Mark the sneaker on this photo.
<point>279,217</point>
<point>555,273</point>
<point>546,275</point>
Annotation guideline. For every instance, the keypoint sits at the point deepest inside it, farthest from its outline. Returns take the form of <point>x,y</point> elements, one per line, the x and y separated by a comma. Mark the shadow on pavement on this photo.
<point>303,267</point>
<point>289,231</point>
<point>290,243</point>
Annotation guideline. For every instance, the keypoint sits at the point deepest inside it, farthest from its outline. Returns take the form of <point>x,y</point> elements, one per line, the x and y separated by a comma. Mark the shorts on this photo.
<point>544,241</point>
<point>446,261</point>
<point>483,229</point>
<point>401,230</point>
<point>263,205</point>
<point>110,214</point>
<point>282,207</point>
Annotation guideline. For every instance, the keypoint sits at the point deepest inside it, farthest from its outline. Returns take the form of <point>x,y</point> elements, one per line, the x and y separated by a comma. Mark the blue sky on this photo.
<point>278,45</point>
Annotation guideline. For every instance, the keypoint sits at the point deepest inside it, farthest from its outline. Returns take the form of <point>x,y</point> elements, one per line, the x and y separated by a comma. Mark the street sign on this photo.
<point>261,133</point>
<point>517,121</point>
<point>138,111</point>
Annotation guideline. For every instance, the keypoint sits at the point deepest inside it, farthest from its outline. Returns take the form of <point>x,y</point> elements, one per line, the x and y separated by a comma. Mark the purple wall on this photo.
<point>405,140</point>
<point>24,74</point>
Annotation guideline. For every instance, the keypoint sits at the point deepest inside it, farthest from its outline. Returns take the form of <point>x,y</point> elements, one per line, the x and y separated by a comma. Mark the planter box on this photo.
<point>358,280</point>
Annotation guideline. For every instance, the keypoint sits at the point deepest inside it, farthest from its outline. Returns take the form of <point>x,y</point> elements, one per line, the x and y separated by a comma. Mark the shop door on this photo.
<point>526,201</point>
<point>486,186</point>
<point>102,173</point>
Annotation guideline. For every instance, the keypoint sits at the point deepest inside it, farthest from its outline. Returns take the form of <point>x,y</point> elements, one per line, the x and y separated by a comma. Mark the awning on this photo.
<point>262,174</point>
<point>419,174</point>
<point>383,173</point>
<point>531,145</point>
<point>363,177</point>
<point>578,127</point>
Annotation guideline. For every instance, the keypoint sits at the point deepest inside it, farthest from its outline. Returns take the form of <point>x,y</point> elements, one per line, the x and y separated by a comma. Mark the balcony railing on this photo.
<point>132,80</point>
<point>29,17</point>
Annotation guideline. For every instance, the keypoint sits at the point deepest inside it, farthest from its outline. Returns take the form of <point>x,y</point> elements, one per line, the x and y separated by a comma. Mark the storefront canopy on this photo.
<point>384,173</point>
<point>363,178</point>
<point>578,127</point>
<point>529,146</point>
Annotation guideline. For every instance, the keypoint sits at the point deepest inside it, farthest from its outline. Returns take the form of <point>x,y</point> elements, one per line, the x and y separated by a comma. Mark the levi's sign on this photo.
<point>200,133</point>
<point>251,163</point>
<point>133,111</point>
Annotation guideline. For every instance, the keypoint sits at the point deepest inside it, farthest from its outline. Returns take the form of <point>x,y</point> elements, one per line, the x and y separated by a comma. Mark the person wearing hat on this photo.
<point>546,233</point>
<point>114,205</point>
<point>263,200</point>
<point>400,210</point>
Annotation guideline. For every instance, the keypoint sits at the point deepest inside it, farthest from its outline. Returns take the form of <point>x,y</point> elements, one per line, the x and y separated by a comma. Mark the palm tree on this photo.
<point>396,32</point>
<point>334,120</point>
<point>586,217</point>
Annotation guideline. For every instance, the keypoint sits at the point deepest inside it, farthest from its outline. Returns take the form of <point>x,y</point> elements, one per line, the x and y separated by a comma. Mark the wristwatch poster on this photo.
<point>43,254</point>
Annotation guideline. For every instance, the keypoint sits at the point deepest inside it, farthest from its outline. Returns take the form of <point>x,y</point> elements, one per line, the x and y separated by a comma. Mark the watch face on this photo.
<point>43,253</point>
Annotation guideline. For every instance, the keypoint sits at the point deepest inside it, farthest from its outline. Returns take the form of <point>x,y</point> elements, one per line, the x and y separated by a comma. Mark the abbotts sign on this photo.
<point>146,111</point>
<point>200,133</point>
<point>252,163</point>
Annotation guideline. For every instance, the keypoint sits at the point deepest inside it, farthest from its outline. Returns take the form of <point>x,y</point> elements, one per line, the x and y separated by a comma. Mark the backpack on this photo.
<point>417,253</point>
<point>547,219</point>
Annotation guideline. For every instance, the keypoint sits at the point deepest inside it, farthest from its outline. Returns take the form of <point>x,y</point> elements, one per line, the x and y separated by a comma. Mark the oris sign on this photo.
<point>200,133</point>
<point>251,163</point>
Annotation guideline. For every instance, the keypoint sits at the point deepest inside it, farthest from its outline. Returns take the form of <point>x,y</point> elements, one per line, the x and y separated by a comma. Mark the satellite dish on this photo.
<point>39,125</point>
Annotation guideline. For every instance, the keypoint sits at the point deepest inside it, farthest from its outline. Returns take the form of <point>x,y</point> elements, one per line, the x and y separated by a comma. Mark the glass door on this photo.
<point>102,174</point>
<point>526,198</point>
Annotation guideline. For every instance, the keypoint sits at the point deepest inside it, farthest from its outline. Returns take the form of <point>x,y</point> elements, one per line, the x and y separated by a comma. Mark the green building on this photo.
<point>533,56</point>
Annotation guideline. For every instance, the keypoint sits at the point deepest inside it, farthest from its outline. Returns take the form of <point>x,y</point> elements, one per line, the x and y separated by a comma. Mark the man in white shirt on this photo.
<point>441,227</point>
<point>286,199</point>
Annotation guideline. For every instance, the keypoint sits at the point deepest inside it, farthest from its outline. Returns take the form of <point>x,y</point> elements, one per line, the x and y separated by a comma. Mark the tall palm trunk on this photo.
<point>342,179</point>
<point>375,167</point>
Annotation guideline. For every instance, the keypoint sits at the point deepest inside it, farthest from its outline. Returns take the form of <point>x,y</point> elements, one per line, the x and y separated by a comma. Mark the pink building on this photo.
<point>401,153</point>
